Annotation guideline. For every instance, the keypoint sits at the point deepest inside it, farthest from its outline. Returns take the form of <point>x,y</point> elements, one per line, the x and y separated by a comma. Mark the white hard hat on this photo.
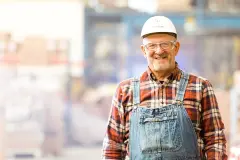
<point>158,24</point>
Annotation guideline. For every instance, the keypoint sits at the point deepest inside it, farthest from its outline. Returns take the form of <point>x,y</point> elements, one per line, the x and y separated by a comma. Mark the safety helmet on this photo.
<point>158,24</point>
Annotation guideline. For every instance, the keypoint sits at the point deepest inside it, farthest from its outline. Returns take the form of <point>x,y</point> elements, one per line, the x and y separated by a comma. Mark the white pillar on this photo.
<point>234,115</point>
<point>2,133</point>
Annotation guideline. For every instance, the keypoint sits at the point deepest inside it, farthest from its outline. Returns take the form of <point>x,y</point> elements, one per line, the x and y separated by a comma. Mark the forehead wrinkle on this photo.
<point>157,38</point>
<point>145,41</point>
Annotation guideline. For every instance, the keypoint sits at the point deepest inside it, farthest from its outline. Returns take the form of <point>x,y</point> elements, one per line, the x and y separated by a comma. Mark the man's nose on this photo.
<point>159,50</point>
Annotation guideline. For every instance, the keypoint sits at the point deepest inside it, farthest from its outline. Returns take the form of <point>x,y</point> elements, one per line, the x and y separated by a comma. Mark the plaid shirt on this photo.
<point>199,101</point>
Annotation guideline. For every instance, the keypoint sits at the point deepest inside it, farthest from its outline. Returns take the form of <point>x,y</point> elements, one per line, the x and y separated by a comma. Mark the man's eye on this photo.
<point>165,44</point>
<point>151,46</point>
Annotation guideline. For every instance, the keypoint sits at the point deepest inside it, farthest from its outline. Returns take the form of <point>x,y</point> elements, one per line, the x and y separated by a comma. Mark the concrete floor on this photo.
<point>93,153</point>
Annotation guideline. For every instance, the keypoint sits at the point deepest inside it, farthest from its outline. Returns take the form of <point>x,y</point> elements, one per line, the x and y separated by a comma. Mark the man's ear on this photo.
<point>143,51</point>
<point>176,48</point>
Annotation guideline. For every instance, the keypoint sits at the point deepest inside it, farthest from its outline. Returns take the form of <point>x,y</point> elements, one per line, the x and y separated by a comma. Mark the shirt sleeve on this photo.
<point>113,143</point>
<point>213,127</point>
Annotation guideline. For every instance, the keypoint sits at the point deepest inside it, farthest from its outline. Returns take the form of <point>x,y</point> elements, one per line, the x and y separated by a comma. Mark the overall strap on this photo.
<point>182,86</point>
<point>136,91</point>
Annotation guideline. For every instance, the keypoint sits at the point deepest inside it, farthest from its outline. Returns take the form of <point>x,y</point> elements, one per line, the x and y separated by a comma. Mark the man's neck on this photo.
<point>161,75</point>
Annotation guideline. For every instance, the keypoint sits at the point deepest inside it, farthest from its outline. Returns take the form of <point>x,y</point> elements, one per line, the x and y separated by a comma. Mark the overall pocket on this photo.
<point>161,132</point>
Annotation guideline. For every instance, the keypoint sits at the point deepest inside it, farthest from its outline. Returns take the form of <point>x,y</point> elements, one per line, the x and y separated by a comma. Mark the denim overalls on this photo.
<point>164,133</point>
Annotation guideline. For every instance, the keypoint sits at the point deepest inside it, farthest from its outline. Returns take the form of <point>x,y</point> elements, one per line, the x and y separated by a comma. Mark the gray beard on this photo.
<point>157,67</point>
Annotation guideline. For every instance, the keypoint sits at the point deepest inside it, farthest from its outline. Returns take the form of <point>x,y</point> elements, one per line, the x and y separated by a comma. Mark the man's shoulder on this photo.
<point>198,80</point>
<point>194,77</point>
<point>126,83</point>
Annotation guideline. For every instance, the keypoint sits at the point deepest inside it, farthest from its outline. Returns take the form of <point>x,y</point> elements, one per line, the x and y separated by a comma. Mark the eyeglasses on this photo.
<point>164,45</point>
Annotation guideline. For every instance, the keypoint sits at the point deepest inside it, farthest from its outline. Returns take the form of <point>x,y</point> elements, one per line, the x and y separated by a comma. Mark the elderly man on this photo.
<point>165,113</point>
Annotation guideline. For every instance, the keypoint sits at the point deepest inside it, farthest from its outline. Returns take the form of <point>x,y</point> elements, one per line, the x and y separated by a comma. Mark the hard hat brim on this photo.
<point>169,33</point>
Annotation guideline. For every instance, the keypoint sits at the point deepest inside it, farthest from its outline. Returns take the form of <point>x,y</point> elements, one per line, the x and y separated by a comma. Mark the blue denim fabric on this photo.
<point>164,133</point>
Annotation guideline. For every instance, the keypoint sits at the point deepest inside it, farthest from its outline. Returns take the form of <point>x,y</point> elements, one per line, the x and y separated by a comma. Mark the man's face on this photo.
<point>160,51</point>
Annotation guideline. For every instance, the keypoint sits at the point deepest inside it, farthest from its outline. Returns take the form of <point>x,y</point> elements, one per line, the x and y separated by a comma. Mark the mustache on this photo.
<point>162,55</point>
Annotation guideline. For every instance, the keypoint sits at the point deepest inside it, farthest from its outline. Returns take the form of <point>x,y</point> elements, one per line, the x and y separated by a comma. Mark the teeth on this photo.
<point>161,57</point>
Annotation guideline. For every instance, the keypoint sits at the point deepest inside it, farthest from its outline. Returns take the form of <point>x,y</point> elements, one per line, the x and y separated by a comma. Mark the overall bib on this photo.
<point>164,133</point>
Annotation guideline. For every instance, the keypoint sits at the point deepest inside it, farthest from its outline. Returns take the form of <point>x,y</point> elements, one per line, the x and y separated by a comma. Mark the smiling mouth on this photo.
<point>161,57</point>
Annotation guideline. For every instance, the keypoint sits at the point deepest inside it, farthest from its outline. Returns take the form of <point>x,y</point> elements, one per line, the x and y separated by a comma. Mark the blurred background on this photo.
<point>61,60</point>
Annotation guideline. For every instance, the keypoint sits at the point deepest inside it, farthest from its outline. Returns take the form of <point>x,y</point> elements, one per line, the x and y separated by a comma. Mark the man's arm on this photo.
<point>113,143</point>
<point>213,127</point>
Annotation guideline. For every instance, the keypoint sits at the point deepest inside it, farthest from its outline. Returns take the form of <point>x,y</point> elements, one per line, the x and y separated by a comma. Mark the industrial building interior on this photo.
<point>61,61</point>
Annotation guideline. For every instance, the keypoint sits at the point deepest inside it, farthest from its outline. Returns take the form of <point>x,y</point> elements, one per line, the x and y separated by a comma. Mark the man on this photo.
<point>166,113</point>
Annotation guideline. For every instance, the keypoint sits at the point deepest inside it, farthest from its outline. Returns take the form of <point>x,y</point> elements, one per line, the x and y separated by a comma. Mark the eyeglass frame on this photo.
<point>173,43</point>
